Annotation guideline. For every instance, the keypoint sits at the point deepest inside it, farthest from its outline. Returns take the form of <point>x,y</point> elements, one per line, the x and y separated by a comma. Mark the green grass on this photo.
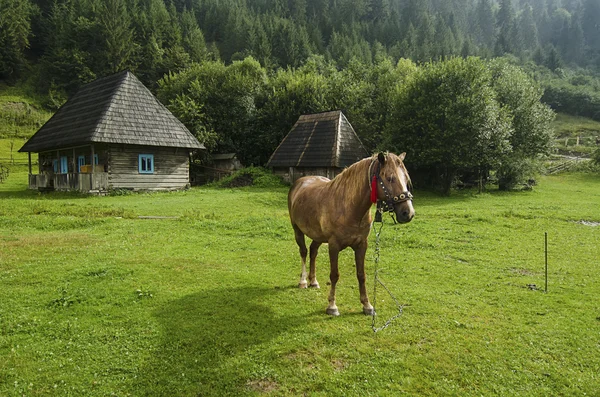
<point>567,128</point>
<point>570,126</point>
<point>21,114</point>
<point>10,157</point>
<point>96,301</point>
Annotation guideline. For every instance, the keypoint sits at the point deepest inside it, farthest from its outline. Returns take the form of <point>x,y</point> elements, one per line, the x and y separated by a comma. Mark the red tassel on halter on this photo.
<point>374,189</point>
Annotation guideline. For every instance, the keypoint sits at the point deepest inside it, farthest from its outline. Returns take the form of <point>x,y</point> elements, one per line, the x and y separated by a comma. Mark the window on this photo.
<point>95,159</point>
<point>64,165</point>
<point>80,162</point>
<point>146,164</point>
<point>55,165</point>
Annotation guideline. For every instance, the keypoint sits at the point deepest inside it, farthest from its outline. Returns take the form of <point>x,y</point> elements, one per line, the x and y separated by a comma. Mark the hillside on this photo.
<point>21,115</point>
<point>576,135</point>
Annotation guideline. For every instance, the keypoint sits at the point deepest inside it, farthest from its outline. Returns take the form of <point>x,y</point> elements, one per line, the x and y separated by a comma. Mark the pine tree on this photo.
<point>576,44</point>
<point>379,11</point>
<point>528,29</point>
<point>15,30</point>
<point>543,26</point>
<point>485,25</point>
<point>553,61</point>
<point>115,26</point>
<point>298,11</point>
<point>443,39</point>
<point>468,48</point>
<point>561,20</point>
<point>591,23</point>
<point>505,22</point>
<point>425,41</point>
<point>192,37</point>
<point>262,46</point>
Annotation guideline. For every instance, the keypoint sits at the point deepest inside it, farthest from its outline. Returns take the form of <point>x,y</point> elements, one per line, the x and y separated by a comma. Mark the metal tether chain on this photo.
<point>378,281</point>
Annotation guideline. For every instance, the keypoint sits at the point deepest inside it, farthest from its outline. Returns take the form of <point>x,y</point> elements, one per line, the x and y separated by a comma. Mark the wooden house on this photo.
<point>318,144</point>
<point>112,134</point>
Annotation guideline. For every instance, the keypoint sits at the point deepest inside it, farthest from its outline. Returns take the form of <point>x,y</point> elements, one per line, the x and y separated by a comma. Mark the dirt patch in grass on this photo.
<point>262,386</point>
<point>339,365</point>
<point>588,223</point>
<point>14,106</point>
<point>521,271</point>
<point>50,241</point>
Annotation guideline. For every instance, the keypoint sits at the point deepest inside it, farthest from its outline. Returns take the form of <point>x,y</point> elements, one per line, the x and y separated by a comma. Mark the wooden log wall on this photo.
<point>171,168</point>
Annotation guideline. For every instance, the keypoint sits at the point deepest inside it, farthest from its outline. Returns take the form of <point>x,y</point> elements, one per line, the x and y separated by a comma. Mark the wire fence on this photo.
<point>13,161</point>
<point>3,173</point>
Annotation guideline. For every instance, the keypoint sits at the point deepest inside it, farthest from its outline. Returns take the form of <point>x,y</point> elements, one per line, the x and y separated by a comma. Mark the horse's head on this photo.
<point>394,186</point>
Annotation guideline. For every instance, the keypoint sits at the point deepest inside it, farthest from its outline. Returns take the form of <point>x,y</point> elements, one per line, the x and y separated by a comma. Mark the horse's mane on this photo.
<point>353,179</point>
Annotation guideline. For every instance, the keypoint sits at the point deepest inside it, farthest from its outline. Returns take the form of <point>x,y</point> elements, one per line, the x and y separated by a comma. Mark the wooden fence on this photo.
<point>98,181</point>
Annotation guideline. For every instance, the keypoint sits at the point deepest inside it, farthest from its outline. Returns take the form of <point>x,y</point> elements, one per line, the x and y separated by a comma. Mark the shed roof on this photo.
<point>223,156</point>
<point>319,140</point>
<point>113,109</point>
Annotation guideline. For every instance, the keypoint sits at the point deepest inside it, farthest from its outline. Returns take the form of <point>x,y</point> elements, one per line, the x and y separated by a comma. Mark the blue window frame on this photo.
<point>95,159</point>
<point>80,162</point>
<point>146,164</point>
<point>55,165</point>
<point>64,165</point>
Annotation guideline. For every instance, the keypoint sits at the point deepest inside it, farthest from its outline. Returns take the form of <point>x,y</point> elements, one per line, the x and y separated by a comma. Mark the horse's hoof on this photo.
<point>315,285</point>
<point>333,311</point>
<point>303,285</point>
<point>369,311</point>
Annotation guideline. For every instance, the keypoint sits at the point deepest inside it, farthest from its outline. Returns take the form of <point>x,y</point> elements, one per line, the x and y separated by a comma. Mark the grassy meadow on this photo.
<point>97,301</point>
<point>567,128</point>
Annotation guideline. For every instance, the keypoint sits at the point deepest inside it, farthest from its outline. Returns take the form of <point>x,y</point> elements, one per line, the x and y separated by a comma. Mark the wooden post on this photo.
<point>546,260</point>
<point>93,169</point>
<point>29,156</point>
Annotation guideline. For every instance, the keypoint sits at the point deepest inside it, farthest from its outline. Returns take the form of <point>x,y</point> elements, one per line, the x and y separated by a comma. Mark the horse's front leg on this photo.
<point>334,276</point>
<point>312,275</point>
<point>359,256</point>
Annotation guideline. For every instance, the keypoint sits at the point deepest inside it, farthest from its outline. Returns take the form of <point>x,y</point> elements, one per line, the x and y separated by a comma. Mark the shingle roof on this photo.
<point>223,156</point>
<point>113,109</point>
<point>319,140</point>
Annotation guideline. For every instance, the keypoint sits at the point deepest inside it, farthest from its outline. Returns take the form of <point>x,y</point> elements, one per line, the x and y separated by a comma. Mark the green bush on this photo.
<point>571,99</point>
<point>596,157</point>
<point>517,171</point>
<point>447,118</point>
<point>589,167</point>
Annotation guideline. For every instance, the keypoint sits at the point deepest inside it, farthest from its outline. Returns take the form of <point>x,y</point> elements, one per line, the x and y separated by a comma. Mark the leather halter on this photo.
<point>387,205</point>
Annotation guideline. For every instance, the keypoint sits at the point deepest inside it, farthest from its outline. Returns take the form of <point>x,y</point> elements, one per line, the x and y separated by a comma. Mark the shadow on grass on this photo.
<point>9,192</point>
<point>208,342</point>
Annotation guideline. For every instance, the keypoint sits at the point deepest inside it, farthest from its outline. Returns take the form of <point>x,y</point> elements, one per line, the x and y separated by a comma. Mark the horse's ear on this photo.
<point>402,156</point>
<point>381,158</point>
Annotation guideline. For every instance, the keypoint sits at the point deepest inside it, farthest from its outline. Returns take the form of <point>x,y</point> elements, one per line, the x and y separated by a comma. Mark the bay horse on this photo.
<point>337,212</point>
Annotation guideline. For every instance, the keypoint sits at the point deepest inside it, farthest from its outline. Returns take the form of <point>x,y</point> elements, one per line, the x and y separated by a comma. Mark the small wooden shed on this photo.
<point>112,134</point>
<point>318,144</point>
<point>222,165</point>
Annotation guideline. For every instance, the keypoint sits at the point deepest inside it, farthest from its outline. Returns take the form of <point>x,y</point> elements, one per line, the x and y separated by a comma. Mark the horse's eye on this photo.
<point>391,179</point>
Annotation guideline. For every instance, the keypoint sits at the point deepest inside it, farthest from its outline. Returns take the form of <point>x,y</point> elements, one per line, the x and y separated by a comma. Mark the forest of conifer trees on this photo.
<point>67,42</point>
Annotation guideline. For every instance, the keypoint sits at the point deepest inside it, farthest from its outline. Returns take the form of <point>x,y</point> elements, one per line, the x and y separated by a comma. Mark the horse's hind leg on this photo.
<point>303,251</point>
<point>312,275</point>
